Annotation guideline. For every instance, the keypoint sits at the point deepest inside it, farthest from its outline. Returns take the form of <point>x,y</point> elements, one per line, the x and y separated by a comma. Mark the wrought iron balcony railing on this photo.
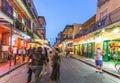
<point>66,38</point>
<point>28,7</point>
<point>6,8</point>
<point>110,18</point>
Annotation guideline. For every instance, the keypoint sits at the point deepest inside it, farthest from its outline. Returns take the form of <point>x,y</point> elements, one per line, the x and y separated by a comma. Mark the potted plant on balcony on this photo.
<point>21,26</point>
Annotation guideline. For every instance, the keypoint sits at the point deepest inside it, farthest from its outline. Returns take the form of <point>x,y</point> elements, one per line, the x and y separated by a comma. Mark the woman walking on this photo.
<point>56,66</point>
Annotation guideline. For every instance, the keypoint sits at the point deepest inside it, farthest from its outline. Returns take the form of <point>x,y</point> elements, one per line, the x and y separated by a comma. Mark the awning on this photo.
<point>4,25</point>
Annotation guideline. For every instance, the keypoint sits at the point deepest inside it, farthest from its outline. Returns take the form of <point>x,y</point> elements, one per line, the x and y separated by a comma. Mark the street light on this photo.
<point>11,26</point>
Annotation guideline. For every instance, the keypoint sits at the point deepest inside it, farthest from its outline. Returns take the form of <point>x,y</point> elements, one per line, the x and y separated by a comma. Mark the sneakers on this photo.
<point>101,72</point>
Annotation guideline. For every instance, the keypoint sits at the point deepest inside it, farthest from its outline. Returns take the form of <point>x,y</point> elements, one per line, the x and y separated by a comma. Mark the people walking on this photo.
<point>36,64</point>
<point>114,54</point>
<point>55,76</point>
<point>98,60</point>
<point>45,55</point>
<point>50,60</point>
<point>14,54</point>
<point>30,53</point>
<point>19,52</point>
<point>23,53</point>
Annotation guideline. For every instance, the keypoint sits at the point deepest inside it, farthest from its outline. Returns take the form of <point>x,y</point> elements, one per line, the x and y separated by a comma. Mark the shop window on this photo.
<point>114,46</point>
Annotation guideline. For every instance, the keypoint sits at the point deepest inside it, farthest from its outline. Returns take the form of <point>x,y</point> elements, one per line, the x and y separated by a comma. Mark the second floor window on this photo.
<point>15,14</point>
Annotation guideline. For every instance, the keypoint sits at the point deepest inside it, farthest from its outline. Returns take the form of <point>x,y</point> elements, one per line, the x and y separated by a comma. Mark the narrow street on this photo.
<point>72,71</point>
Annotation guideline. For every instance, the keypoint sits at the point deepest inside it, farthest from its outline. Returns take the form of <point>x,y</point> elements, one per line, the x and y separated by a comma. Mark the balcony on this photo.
<point>6,9</point>
<point>78,35</point>
<point>30,34</point>
<point>30,9</point>
<point>63,38</point>
<point>107,20</point>
<point>28,23</point>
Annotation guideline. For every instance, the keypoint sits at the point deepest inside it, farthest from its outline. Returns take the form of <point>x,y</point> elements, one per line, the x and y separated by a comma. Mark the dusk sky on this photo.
<point>59,13</point>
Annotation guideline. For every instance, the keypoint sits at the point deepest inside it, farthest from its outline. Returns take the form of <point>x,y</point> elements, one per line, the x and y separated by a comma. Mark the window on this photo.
<point>15,14</point>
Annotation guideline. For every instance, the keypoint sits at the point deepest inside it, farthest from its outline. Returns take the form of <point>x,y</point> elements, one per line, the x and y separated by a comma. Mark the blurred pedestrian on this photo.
<point>55,76</point>
<point>31,51</point>
<point>37,64</point>
<point>50,60</point>
<point>14,54</point>
<point>23,53</point>
<point>19,51</point>
<point>114,54</point>
<point>98,60</point>
<point>45,55</point>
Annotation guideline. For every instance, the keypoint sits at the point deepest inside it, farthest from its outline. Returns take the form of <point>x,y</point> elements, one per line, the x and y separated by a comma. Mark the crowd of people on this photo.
<point>43,57</point>
<point>15,53</point>
<point>40,58</point>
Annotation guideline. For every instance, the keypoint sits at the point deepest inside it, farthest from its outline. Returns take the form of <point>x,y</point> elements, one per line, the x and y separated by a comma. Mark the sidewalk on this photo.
<point>108,67</point>
<point>6,69</point>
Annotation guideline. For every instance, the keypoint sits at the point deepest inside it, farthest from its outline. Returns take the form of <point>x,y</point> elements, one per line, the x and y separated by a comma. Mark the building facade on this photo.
<point>103,32</point>
<point>16,23</point>
<point>66,37</point>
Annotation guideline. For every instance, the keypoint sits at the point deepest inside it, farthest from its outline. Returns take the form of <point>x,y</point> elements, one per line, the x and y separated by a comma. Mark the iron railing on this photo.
<point>30,9</point>
<point>7,9</point>
<point>109,19</point>
<point>63,38</point>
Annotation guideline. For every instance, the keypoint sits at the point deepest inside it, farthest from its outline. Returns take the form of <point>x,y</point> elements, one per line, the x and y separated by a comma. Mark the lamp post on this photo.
<point>11,26</point>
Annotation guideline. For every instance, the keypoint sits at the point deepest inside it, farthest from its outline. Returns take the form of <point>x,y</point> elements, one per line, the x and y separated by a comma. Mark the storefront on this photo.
<point>91,49</point>
<point>34,44</point>
<point>88,49</point>
<point>109,46</point>
<point>84,48</point>
<point>4,41</point>
<point>107,39</point>
<point>77,49</point>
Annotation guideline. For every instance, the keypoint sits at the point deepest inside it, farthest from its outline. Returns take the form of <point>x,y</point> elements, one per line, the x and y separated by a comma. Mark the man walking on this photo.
<point>98,60</point>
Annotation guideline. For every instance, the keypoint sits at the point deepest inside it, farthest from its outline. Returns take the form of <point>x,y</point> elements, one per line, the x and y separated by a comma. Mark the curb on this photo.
<point>12,69</point>
<point>111,73</point>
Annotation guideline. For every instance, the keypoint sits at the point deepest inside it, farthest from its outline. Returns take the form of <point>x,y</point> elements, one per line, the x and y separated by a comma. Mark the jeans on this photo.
<point>23,57</point>
<point>37,70</point>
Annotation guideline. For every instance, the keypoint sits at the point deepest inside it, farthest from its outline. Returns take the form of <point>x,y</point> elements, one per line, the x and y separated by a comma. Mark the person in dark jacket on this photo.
<point>30,53</point>
<point>56,66</point>
<point>37,63</point>
<point>45,54</point>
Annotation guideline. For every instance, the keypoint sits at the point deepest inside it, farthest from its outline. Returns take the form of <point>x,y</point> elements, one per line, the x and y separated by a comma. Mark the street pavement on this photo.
<point>108,67</point>
<point>72,71</point>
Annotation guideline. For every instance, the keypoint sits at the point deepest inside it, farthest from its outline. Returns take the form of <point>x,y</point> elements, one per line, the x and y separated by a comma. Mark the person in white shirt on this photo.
<point>23,53</point>
<point>98,59</point>
<point>14,54</point>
